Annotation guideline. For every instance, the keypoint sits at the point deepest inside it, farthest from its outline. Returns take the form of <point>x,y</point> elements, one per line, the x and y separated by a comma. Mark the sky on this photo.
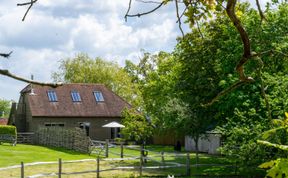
<point>55,30</point>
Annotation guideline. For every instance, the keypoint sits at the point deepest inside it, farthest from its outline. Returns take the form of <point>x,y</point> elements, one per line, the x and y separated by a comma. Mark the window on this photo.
<point>98,96</point>
<point>54,124</point>
<point>52,96</point>
<point>75,96</point>
<point>86,126</point>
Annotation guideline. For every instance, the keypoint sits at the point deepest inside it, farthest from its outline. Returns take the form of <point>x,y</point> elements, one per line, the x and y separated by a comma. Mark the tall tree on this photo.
<point>83,69</point>
<point>171,107</point>
<point>177,87</point>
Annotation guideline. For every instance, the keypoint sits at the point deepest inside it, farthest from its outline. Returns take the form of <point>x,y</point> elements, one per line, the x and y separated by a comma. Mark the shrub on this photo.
<point>8,130</point>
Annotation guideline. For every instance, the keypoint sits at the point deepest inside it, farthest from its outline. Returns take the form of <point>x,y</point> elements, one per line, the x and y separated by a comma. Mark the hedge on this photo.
<point>8,130</point>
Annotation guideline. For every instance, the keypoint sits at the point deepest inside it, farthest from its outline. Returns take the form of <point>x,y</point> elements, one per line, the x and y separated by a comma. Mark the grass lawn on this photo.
<point>13,155</point>
<point>30,153</point>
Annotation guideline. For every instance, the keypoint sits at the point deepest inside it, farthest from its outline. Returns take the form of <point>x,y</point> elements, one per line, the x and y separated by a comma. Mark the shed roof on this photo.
<point>40,105</point>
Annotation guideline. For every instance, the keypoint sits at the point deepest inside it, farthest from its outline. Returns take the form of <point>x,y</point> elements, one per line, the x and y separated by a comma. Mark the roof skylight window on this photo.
<point>98,96</point>
<point>52,96</point>
<point>75,96</point>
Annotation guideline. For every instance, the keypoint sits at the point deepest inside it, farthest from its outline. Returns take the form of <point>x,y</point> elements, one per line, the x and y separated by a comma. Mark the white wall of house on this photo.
<point>208,143</point>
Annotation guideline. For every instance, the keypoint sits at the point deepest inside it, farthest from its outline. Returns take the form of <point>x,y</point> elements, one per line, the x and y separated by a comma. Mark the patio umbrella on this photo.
<point>113,125</point>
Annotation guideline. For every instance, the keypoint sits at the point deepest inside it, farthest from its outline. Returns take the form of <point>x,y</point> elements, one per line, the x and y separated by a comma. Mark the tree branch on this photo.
<point>141,14</point>
<point>128,10</point>
<point>260,11</point>
<point>199,30</point>
<point>8,74</point>
<point>149,2</point>
<point>228,90</point>
<point>263,93</point>
<point>178,17</point>
<point>6,55</point>
<point>230,9</point>
<point>28,9</point>
<point>271,51</point>
<point>182,13</point>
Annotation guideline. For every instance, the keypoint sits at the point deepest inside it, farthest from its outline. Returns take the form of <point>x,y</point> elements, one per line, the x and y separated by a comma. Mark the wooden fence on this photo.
<point>162,164</point>
<point>25,137</point>
<point>73,139</point>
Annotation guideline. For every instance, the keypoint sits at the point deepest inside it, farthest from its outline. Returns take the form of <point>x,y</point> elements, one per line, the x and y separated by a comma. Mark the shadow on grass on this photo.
<point>210,166</point>
<point>60,149</point>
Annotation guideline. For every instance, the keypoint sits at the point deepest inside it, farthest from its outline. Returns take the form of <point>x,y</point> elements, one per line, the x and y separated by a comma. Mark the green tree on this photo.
<point>4,108</point>
<point>83,69</point>
<point>137,127</point>
<point>177,87</point>
<point>165,101</point>
<point>245,112</point>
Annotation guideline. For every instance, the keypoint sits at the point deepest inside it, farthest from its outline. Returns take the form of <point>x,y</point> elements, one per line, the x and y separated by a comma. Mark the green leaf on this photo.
<point>267,164</point>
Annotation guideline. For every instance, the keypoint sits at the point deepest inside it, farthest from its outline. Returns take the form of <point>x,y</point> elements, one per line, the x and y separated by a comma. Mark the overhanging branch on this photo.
<point>260,11</point>
<point>179,18</point>
<point>31,3</point>
<point>8,74</point>
<point>228,90</point>
<point>6,55</point>
<point>141,14</point>
<point>230,9</point>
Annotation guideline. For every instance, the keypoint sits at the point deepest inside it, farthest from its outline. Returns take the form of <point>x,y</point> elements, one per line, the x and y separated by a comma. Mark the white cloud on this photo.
<point>56,30</point>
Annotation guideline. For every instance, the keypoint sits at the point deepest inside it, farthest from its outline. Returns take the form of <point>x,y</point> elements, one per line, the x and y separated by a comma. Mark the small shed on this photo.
<point>208,143</point>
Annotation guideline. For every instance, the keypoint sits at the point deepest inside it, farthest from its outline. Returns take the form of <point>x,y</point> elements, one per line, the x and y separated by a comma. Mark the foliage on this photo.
<point>277,138</point>
<point>83,69</point>
<point>136,125</point>
<point>278,168</point>
<point>243,113</point>
<point>4,108</point>
<point>176,86</point>
<point>7,129</point>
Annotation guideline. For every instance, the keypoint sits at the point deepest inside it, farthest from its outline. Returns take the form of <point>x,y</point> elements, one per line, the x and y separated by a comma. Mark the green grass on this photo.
<point>13,155</point>
<point>30,153</point>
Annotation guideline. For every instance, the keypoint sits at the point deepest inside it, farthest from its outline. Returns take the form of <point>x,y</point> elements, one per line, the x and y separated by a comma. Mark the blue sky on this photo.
<point>55,30</point>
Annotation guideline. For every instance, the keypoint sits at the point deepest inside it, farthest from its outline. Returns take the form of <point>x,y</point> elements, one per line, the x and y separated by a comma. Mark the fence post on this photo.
<point>22,170</point>
<point>121,153</point>
<point>107,148</point>
<point>162,158</point>
<point>188,169</point>
<point>60,168</point>
<point>141,160</point>
<point>98,167</point>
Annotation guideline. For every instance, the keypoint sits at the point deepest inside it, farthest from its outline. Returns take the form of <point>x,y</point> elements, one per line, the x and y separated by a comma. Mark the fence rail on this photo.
<point>25,137</point>
<point>161,163</point>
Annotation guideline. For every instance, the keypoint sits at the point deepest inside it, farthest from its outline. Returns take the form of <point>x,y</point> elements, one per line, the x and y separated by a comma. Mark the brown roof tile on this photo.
<point>65,107</point>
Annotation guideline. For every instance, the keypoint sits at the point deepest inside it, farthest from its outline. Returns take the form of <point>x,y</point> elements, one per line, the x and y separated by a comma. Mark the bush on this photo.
<point>8,130</point>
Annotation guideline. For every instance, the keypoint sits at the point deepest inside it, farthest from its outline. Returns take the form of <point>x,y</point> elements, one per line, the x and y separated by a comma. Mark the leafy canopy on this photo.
<point>83,69</point>
<point>137,127</point>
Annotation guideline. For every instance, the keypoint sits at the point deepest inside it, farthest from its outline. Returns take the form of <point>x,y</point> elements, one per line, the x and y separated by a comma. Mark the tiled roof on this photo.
<point>65,107</point>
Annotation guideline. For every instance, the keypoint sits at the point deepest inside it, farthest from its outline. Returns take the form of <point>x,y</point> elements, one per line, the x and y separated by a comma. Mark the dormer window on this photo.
<point>52,96</point>
<point>98,96</point>
<point>75,96</point>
